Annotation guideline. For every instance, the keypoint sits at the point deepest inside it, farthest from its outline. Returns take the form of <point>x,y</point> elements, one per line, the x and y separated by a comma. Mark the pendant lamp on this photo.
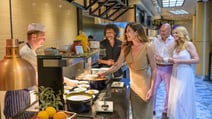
<point>15,72</point>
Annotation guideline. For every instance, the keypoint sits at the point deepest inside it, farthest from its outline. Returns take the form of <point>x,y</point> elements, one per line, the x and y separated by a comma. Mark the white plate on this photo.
<point>80,89</point>
<point>104,68</point>
<point>92,91</point>
<point>68,87</point>
<point>66,92</point>
<point>83,86</point>
<point>83,82</point>
<point>79,97</point>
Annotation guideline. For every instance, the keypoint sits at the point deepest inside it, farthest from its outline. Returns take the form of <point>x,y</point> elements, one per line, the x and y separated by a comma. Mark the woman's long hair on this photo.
<point>137,27</point>
<point>182,42</point>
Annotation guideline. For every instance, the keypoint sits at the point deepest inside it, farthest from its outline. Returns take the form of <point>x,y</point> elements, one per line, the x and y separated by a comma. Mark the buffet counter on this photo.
<point>111,102</point>
<point>118,95</point>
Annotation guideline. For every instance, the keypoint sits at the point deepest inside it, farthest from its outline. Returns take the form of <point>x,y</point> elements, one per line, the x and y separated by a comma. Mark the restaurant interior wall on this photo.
<point>211,28</point>
<point>128,16</point>
<point>187,23</point>
<point>91,28</point>
<point>5,25</point>
<point>202,42</point>
<point>59,17</point>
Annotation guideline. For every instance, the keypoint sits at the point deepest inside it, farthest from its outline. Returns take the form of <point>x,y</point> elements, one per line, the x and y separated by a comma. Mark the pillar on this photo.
<point>202,41</point>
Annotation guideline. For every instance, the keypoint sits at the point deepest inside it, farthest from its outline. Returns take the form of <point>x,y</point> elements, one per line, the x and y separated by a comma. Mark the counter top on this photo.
<point>84,55</point>
<point>119,96</point>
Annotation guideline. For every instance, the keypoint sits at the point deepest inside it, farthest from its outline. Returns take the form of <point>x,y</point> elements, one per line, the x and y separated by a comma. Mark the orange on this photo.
<point>43,115</point>
<point>51,111</point>
<point>60,115</point>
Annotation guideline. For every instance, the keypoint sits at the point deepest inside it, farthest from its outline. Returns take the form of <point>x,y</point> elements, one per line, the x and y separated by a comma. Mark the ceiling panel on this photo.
<point>189,5</point>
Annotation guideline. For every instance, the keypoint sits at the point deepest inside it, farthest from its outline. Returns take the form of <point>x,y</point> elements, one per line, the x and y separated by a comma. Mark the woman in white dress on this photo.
<point>181,103</point>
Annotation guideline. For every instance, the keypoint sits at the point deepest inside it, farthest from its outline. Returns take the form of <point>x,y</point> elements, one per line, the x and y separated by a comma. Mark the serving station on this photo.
<point>92,97</point>
<point>112,102</point>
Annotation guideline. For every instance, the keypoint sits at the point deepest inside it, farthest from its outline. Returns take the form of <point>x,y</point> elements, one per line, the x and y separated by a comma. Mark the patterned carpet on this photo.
<point>203,99</point>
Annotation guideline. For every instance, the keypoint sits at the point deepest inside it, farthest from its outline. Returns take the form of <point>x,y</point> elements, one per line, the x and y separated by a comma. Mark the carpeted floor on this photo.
<point>203,99</point>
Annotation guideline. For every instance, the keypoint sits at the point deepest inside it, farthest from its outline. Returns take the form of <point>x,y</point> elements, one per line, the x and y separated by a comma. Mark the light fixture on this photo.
<point>156,6</point>
<point>15,72</point>
<point>179,12</point>
<point>172,3</point>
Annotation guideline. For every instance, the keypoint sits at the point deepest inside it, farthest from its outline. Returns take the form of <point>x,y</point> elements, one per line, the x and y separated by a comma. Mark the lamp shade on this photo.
<point>15,72</point>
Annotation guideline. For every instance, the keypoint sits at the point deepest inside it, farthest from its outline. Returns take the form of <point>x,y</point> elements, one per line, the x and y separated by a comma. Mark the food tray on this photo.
<point>70,115</point>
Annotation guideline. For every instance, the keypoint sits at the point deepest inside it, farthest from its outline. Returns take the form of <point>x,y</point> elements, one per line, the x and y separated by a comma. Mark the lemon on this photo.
<point>60,115</point>
<point>51,111</point>
<point>43,115</point>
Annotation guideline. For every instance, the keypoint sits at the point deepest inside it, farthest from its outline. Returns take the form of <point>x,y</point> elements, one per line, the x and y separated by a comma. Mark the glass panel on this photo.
<point>165,1</point>
<point>172,3</point>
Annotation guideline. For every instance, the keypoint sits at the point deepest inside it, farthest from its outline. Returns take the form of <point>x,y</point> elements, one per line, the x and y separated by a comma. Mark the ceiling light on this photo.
<point>179,12</point>
<point>172,3</point>
<point>15,72</point>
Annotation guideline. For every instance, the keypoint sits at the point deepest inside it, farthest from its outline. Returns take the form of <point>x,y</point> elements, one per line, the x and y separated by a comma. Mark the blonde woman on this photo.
<point>181,102</point>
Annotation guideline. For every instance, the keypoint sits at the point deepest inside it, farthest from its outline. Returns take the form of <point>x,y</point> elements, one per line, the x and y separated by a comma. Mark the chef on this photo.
<point>36,38</point>
<point>18,100</point>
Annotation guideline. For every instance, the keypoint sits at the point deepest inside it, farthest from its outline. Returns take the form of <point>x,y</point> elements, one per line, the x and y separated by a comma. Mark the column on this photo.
<point>202,41</point>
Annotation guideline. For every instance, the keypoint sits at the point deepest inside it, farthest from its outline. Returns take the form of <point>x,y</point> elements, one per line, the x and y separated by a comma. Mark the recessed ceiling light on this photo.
<point>172,3</point>
<point>179,12</point>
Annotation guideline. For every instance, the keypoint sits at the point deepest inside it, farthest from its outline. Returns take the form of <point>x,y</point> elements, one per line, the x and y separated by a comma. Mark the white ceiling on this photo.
<point>189,6</point>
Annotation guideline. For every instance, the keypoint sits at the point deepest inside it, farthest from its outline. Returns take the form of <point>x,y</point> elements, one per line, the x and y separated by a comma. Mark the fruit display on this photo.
<point>51,113</point>
<point>60,115</point>
<point>43,115</point>
<point>84,40</point>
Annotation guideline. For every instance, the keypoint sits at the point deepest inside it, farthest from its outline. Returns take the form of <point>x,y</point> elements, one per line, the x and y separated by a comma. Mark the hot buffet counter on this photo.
<point>109,97</point>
